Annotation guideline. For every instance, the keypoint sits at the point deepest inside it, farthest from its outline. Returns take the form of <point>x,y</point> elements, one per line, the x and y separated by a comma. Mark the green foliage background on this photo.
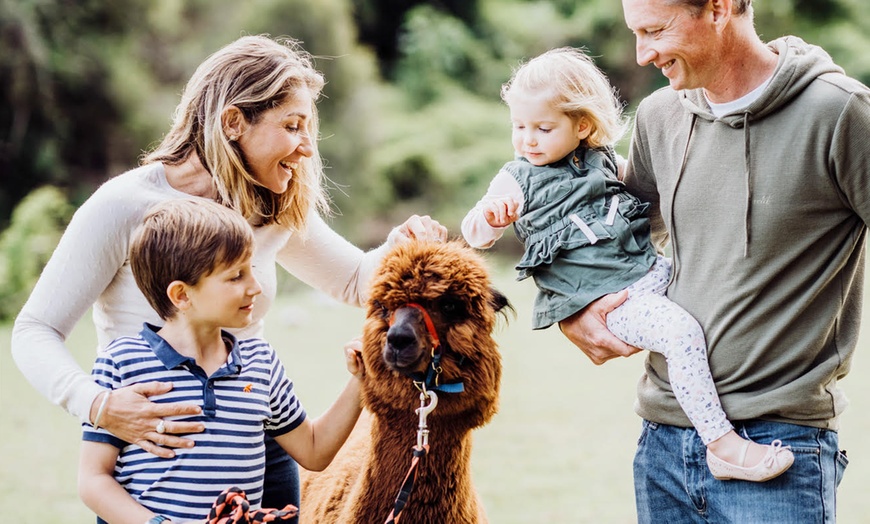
<point>411,118</point>
<point>411,123</point>
<point>411,109</point>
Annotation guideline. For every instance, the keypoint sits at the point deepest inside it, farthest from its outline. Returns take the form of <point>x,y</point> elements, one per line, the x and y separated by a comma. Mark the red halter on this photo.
<point>430,326</point>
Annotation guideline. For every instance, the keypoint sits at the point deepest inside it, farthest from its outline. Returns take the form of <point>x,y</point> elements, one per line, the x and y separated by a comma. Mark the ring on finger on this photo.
<point>161,427</point>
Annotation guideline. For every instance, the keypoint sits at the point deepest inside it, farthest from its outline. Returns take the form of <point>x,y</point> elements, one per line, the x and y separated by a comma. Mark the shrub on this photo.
<point>37,223</point>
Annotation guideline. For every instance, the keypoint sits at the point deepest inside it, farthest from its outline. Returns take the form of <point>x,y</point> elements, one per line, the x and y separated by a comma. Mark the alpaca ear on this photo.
<point>499,302</point>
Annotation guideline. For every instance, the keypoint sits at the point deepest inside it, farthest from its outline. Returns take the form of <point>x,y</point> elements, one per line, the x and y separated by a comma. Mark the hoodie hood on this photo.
<point>798,65</point>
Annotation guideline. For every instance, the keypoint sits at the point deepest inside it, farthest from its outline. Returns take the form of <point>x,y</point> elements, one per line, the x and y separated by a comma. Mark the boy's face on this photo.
<point>225,297</point>
<point>541,133</point>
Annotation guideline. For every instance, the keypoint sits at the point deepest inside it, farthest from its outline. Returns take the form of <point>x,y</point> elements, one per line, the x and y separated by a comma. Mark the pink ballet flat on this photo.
<point>775,462</point>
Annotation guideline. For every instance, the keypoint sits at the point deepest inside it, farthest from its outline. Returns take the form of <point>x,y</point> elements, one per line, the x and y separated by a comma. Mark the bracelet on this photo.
<point>157,519</point>
<point>101,408</point>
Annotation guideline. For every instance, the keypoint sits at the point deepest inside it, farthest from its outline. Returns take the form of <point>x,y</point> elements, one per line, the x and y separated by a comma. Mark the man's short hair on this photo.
<point>739,7</point>
<point>185,240</point>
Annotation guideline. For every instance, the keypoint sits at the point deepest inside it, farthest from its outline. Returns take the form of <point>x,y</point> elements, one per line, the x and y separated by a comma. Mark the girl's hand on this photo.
<point>500,212</point>
<point>130,416</point>
<point>418,228</point>
<point>353,356</point>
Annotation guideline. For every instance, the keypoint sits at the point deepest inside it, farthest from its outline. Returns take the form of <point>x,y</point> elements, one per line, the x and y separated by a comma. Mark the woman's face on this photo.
<point>277,143</point>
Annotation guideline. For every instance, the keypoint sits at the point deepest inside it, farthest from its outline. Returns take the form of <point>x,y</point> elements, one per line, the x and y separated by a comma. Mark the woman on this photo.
<point>244,135</point>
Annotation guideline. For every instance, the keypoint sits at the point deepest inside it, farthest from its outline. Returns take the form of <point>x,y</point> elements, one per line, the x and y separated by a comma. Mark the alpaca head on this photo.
<point>432,299</point>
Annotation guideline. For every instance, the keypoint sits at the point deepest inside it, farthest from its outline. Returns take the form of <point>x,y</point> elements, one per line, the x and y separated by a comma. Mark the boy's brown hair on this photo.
<point>185,240</point>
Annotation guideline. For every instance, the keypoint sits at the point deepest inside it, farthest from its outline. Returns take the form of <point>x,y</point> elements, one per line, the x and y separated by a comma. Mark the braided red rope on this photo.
<point>232,507</point>
<point>407,485</point>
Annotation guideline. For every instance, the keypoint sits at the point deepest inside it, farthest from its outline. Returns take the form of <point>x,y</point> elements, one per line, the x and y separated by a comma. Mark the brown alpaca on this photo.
<point>450,282</point>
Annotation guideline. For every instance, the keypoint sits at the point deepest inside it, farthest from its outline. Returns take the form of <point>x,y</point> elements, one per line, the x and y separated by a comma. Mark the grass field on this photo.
<point>559,450</point>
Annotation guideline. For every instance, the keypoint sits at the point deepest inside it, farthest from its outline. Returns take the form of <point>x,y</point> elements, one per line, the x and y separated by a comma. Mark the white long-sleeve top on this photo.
<point>476,231</point>
<point>91,267</point>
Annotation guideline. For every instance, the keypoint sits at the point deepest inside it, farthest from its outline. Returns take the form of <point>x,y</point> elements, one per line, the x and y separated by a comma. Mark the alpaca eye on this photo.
<point>451,307</point>
<point>379,309</point>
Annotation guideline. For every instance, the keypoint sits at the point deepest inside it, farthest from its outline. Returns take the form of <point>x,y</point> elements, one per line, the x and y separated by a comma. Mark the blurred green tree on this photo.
<point>411,117</point>
<point>58,120</point>
<point>380,22</point>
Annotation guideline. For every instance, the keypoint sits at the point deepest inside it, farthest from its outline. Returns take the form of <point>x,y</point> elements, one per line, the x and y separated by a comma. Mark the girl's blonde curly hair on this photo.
<point>579,89</point>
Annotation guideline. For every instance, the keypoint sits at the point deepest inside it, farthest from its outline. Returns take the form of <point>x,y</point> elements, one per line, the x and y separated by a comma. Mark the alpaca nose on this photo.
<point>401,337</point>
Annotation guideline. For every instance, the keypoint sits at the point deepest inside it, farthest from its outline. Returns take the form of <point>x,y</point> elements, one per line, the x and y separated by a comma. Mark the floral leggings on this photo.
<point>649,320</point>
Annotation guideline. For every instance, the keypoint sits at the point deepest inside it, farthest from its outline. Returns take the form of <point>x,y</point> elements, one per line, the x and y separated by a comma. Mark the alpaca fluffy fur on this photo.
<point>451,282</point>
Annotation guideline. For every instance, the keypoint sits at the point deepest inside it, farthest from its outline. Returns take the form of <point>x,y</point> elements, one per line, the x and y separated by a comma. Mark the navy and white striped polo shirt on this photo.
<point>248,396</point>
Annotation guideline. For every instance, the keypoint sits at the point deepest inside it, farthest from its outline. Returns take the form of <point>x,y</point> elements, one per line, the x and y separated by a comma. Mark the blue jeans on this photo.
<point>673,484</point>
<point>281,484</point>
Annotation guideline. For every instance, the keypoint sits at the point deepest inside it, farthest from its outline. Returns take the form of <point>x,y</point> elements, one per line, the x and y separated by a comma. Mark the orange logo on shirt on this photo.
<point>248,388</point>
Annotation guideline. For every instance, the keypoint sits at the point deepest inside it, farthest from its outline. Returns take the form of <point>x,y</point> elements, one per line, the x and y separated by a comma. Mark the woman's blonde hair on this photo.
<point>580,90</point>
<point>254,74</point>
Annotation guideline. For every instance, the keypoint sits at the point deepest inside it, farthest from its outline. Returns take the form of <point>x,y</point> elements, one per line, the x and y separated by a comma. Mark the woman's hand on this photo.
<point>587,329</point>
<point>130,416</point>
<point>418,228</point>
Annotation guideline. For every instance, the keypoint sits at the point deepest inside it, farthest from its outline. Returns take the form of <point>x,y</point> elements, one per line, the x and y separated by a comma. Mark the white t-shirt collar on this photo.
<point>743,102</point>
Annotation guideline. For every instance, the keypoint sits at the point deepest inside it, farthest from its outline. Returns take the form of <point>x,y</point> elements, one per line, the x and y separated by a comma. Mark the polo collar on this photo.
<point>172,359</point>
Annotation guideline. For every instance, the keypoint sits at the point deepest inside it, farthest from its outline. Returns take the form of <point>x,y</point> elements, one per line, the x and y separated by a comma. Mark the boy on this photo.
<point>192,261</point>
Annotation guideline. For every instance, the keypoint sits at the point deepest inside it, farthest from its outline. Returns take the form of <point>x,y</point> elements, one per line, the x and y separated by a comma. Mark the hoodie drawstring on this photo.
<point>747,168</point>
<point>747,219</point>
<point>673,197</point>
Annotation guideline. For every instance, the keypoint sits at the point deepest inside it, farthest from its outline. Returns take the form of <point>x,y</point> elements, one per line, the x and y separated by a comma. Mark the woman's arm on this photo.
<point>325,260</point>
<point>86,261</point>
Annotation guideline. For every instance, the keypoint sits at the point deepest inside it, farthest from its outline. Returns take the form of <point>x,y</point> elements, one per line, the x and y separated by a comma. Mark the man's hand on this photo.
<point>587,329</point>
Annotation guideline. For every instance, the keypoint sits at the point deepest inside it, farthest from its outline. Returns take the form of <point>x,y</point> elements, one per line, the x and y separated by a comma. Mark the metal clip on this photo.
<point>423,411</point>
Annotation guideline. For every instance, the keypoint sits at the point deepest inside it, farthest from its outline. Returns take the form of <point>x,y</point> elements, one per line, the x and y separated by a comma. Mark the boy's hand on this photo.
<point>501,211</point>
<point>353,356</point>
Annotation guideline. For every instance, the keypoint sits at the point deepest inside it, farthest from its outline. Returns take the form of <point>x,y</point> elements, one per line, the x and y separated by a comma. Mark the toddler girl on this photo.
<point>586,237</point>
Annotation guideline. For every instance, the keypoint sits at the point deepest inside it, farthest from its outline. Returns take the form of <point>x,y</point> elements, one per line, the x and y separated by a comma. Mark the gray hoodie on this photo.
<point>766,211</point>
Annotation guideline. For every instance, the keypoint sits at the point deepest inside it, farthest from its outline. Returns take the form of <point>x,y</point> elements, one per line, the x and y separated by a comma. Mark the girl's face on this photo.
<point>277,143</point>
<point>541,133</point>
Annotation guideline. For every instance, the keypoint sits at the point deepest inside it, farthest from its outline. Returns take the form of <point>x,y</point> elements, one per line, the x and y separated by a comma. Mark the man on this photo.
<point>755,160</point>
